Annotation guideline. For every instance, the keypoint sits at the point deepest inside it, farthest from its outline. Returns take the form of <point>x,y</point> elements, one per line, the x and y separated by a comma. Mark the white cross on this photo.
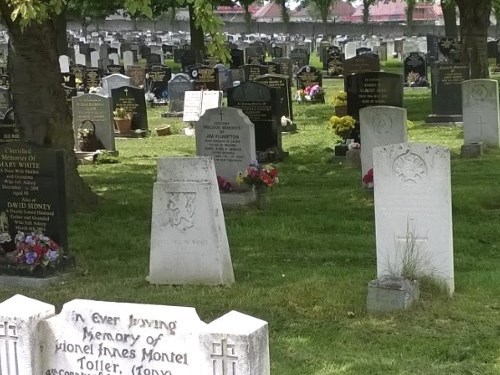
<point>225,353</point>
<point>8,354</point>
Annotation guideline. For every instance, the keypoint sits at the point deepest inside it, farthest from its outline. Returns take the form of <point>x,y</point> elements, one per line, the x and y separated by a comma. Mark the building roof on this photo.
<point>268,11</point>
<point>395,10</point>
<point>236,9</point>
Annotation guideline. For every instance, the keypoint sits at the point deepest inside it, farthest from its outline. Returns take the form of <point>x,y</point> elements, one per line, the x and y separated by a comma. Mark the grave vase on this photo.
<point>341,110</point>
<point>262,198</point>
<point>123,125</point>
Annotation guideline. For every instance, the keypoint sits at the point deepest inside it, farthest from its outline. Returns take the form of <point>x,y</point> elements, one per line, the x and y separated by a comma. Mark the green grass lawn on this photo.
<point>303,264</point>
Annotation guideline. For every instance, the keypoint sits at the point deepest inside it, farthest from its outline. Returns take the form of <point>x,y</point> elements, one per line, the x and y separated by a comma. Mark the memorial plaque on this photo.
<point>256,101</point>
<point>132,100</point>
<point>32,193</point>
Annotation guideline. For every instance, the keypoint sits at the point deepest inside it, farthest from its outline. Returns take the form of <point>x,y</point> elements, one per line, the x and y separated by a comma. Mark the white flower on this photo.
<point>285,121</point>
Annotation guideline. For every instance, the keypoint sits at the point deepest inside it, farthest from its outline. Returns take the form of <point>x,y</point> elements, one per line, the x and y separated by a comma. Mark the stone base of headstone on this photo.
<point>171,114</point>
<point>353,159</point>
<point>30,282</point>
<point>137,133</point>
<point>389,294</point>
<point>238,199</point>
<point>472,150</point>
<point>443,119</point>
<point>88,157</point>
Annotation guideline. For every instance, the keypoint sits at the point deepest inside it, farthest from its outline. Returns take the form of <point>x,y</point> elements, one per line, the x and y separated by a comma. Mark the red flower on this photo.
<point>368,177</point>
<point>39,250</point>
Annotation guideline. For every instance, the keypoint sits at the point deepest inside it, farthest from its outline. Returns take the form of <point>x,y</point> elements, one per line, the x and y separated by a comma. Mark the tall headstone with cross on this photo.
<point>413,218</point>
<point>480,110</point>
<point>19,341</point>
<point>188,234</point>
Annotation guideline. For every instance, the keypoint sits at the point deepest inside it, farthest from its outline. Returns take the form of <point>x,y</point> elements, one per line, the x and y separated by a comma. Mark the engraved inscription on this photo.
<point>381,123</point>
<point>8,349</point>
<point>180,210</point>
<point>409,168</point>
<point>223,358</point>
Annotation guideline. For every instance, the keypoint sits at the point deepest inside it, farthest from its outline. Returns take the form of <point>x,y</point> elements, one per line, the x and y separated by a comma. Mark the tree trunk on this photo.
<point>62,39</point>
<point>285,17</point>
<point>366,16</point>
<point>409,17</point>
<point>450,18</point>
<point>42,115</point>
<point>248,18</point>
<point>474,22</point>
<point>197,37</point>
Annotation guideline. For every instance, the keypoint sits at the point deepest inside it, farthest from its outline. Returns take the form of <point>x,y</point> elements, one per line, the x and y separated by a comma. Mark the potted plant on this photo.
<point>123,120</point>
<point>342,127</point>
<point>340,104</point>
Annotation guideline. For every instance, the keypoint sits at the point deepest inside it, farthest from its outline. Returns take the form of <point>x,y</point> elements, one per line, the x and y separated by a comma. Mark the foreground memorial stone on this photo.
<point>188,234</point>
<point>108,338</point>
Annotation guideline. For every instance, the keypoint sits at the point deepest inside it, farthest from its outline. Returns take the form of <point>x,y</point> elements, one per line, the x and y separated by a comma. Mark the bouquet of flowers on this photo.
<point>258,176</point>
<point>36,250</point>
<point>340,99</point>
<point>300,96</point>
<point>314,92</point>
<point>342,126</point>
<point>416,80</point>
<point>224,185</point>
<point>368,179</point>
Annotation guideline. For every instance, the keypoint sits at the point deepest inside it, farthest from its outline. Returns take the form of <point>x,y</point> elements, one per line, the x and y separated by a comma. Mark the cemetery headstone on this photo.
<point>307,76</point>
<point>115,69</point>
<point>380,126</point>
<point>137,75</point>
<point>188,235</point>
<point>446,92</point>
<point>228,136</point>
<point>237,58</point>
<point>257,101</point>
<point>32,198</point>
<point>92,78</point>
<point>64,63</point>
<point>249,72</point>
<point>417,230</point>
<point>114,81</point>
<point>414,63</point>
<point>132,100</point>
<point>205,78</point>
<point>177,86</point>
<point>481,112</point>
<point>98,110</point>
<point>282,84</point>
<point>159,75</point>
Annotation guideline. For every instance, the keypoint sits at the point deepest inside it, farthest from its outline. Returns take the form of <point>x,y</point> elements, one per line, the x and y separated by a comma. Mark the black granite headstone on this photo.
<point>92,78</point>
<point>32,196</point>
<point>257,101</point>
<point>415,63</point>
<point>159,75</point>
<point>283,92</point>
<point>204,77</point>
<point>112,69</point>
<point>237,58</point>
<point>133,101</point>
<point>249,72</point>
<point>309,75</point>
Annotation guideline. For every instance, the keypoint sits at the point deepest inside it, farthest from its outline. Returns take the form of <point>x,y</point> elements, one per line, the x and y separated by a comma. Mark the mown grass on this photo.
<point>303,264</point>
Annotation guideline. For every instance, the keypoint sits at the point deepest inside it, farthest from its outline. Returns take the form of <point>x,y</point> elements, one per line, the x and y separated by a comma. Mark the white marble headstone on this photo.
<point>228,136</point>
<point>188,234</point>
<point>80,59</point>
<point>236,344</point>
<point>94,59</point>
<point>413,216</point>
<point>64,63</point>
<point>481,112</point>
<point>19,338</point>
<point>128,59</point>
<point>115,59</point>
<point>379,126</point>
<point>114,81</point>
<point>350,50</point>
<point>96,337</point>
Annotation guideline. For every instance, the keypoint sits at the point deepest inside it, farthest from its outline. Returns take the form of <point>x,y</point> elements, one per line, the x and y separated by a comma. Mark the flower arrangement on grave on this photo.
<point>314,92</point>
<point>354,146</point>
<point>300,96</point>
<point>35,250</point>
<point>368,179</point>
<point>416,80</point>
<point>224,185</point>
<point>342,126</point>
<point>340,99</point>
<point>120,113</point>
<point>258,176</point>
